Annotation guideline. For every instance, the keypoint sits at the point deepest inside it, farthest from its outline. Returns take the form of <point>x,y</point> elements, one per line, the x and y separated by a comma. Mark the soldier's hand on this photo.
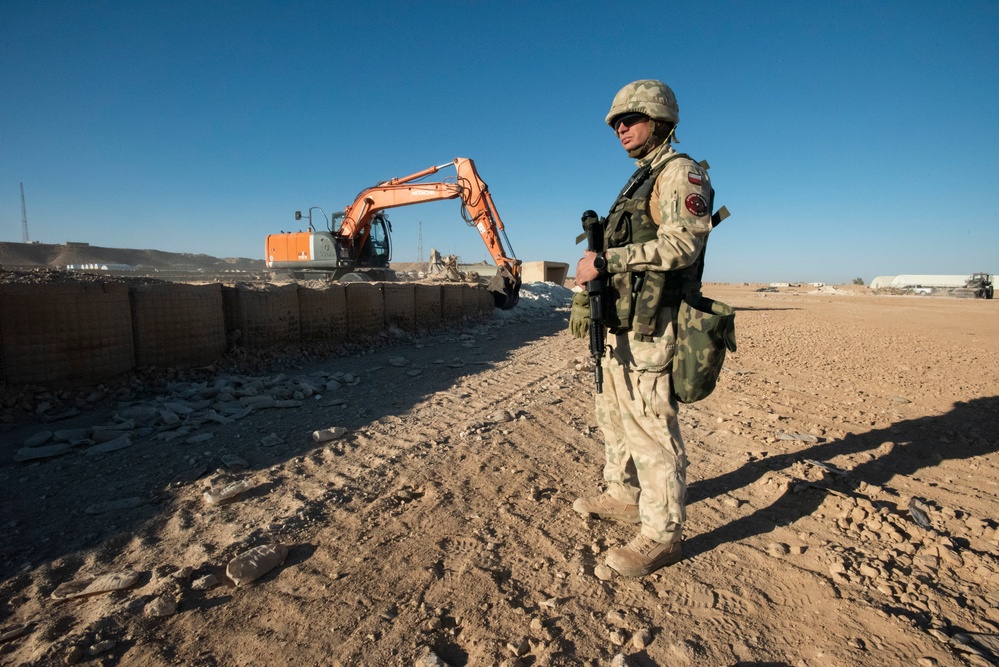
<point>579,316</point>
<point>585,271</point>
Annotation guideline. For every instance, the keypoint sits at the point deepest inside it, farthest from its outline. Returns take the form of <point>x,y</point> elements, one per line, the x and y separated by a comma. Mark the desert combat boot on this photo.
<point>605,507</point>
<point>643,556</point>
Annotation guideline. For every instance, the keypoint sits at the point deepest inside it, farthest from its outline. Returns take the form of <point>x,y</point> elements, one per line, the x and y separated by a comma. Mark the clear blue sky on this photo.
<point>849,139</point>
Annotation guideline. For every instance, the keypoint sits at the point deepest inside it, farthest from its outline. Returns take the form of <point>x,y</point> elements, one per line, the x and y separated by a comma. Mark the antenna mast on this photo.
<point>24,218</point>
<point>419,247</point>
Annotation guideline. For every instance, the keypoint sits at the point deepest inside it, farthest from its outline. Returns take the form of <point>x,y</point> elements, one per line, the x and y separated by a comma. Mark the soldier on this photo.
<point>654,240</point>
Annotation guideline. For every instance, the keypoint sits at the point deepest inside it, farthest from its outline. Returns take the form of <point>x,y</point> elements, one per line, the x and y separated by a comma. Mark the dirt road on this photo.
<point>438,529</point>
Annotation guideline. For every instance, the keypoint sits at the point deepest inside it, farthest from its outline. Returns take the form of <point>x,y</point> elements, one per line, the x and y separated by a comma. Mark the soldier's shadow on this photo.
<point>965,431</point>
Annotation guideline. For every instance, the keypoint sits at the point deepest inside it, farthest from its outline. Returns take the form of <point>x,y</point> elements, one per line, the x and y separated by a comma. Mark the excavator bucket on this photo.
<point>505,288</point>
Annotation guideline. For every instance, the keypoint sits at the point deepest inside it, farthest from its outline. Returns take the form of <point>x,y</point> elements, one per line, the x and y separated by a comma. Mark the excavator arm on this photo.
<point>478,211</point>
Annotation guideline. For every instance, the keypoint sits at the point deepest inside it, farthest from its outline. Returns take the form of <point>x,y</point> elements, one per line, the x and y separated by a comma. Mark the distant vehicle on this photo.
<point>982,285</point>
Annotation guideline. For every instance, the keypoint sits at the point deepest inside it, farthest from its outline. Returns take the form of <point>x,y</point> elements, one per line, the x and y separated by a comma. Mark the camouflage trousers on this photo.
<point>645,458</point>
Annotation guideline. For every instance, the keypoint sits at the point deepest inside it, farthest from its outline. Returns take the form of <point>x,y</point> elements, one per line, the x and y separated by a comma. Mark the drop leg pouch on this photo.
<point>705,331</point>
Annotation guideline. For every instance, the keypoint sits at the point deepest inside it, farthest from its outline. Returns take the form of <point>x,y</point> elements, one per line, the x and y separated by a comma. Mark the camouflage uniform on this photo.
<point>645,458</point>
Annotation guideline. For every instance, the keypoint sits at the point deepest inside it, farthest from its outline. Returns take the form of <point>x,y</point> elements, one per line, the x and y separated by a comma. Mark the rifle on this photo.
<point>595,290</point>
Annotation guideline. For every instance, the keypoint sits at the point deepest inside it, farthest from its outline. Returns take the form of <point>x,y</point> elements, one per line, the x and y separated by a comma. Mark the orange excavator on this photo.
<point>362,239</point>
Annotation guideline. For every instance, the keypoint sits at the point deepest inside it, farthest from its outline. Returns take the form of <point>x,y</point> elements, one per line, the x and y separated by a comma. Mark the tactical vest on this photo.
<point>638,295</point>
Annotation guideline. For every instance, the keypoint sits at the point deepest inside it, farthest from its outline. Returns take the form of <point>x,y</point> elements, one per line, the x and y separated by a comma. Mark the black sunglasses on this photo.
<point>629,119</point>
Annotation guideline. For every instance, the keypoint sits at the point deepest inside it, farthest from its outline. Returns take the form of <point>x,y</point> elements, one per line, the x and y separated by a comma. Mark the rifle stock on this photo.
<point>595,291</point>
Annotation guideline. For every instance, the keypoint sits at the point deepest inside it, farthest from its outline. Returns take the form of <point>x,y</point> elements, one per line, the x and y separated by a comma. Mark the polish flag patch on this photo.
<point>695,178</point>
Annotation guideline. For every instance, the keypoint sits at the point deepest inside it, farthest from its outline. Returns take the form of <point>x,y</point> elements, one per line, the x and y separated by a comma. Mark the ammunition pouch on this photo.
<point>705,330</point>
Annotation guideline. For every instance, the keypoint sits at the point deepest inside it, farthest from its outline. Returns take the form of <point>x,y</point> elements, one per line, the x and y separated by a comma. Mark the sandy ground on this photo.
<point>438,528</point>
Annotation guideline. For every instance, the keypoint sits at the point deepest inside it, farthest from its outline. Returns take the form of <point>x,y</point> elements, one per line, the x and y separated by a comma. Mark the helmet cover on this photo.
<point>646,96</point>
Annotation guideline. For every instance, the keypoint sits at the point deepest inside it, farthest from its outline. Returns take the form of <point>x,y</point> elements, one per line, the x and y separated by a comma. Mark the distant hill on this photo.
<point>150,263</point>
<point>43,255</point>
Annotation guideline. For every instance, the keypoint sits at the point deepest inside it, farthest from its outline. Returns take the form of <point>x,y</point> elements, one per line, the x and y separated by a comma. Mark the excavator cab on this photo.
<point>378,250</point>
<point>375,243</point>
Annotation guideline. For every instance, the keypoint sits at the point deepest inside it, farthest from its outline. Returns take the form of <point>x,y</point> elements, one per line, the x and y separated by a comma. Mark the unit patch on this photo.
<point>696,205</point>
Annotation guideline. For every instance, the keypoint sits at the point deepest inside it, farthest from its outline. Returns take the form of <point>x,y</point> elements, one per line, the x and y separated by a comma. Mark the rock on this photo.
<point>271,440</point>
<point>211,415</point>
<point>161,606</point>
<point>213,497</point>
<point>169,417</point>
<point>257,402</point>
<point>642,638</point>
<point>93,585</point>
<point>869,571</point>
<point>951,557</point>
<point>14,631</point>
<point>234,462</point>
<point>857,643</point>
<point>919,511</point>
<point>778,549</point>
<point>102,647</point>
<point>35,453</point>
<point>204,583</point>
<point>976,526</point>
<point>71,435</point>
<point>618,637</point>
<point>799,437</point>
<point>328,434</point>
<point>621,660</point>
<point>603,572</point>
<point>38,439</point>
<point>429,659</point>
<point>519,647</point>
<point>501,416</point>
<point>616,617</point>
<point>178,408</point>
<point>938,634</point>
<point>74,655</point>
<point>110,446</point>
<point>169,436</point>
<point>255,563</point>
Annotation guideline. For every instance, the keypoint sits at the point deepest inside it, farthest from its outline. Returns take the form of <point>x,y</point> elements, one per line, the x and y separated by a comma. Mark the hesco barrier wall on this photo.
<point>177,325</point>
<point>65,333</point>
<point>82,333</point>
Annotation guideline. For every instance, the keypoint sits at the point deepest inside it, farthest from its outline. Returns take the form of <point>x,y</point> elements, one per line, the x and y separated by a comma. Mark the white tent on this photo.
<point>917,280</point>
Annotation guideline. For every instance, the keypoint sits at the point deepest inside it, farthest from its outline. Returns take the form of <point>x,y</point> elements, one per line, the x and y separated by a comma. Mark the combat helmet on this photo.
<point>648,96</point>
